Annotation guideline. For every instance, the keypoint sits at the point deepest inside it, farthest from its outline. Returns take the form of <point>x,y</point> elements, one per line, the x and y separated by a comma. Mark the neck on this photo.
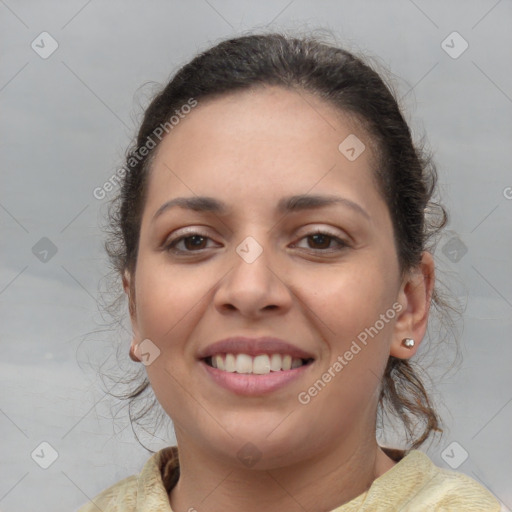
<point>322,482</point>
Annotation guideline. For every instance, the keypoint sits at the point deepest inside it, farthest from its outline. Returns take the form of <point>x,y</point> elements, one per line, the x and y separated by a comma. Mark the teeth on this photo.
<point>296,363</point>
<point>229,363</point>
<point>219,362</point>
<point>243,363</point>
<point>275,362</point>
<point>260,365</point>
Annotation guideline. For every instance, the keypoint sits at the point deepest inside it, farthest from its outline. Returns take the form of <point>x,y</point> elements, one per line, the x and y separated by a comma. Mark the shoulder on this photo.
<point>120,497</point>
<point>150,487</point>
<point>460,490</point>
<point>444,489</point>
<point>416,484</point>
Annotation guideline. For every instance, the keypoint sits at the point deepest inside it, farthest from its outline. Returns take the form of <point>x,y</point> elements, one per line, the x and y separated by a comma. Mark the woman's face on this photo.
<point>256,268</point>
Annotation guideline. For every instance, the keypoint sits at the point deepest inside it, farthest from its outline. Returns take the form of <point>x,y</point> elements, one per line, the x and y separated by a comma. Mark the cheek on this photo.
<point>357,345</point>
<point>165,296</point>
<point>355,308</point>
<point>350,299</point>
<point>169,305</point>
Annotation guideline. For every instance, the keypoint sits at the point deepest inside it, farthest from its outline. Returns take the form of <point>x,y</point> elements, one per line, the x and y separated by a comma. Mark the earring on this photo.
<point>408,342</point>
<point>133,357</point>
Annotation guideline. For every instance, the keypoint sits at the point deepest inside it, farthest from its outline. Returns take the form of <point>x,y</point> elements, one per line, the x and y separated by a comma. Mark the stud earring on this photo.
<point>408,342</point>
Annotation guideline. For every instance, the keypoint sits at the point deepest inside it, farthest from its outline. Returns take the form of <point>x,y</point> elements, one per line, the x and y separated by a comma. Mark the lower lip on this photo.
<point>251,384</point>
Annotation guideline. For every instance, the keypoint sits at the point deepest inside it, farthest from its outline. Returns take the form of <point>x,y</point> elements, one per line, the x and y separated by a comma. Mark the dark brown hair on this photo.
<point>405,175</point>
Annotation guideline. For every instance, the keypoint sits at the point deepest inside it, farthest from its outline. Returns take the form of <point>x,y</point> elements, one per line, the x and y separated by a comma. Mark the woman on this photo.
<point>272,238</point>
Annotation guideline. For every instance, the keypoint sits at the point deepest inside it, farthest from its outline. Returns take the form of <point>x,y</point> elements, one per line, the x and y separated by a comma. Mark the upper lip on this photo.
<point>253,347</point>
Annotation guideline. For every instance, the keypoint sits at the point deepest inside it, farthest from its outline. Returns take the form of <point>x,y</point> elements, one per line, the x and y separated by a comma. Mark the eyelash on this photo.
<point>170,247</point>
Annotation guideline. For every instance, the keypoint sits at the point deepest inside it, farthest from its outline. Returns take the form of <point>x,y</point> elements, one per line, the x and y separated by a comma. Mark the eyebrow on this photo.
<point>285,205</point>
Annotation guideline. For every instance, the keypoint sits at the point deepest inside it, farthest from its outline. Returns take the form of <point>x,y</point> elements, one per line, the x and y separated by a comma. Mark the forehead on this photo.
<point>261,142</point>
<point>267,113</point>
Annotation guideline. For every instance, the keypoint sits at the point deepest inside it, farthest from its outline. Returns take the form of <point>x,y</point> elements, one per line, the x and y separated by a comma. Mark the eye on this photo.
<point>322,240</point>
<point>192,242</point>
<point>195,241</point>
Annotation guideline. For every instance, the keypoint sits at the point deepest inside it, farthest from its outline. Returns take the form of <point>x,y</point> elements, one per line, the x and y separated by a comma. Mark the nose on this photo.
<point>255,285</point>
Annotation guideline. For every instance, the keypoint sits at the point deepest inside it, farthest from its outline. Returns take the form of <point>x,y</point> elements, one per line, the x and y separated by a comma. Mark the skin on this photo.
<point>250,149</point>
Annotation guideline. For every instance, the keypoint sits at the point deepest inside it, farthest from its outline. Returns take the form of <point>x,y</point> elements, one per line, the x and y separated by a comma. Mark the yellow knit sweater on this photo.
<point>414,484</point>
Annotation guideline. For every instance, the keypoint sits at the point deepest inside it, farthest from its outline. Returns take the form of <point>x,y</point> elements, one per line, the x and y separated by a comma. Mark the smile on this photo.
<point>261,364</point>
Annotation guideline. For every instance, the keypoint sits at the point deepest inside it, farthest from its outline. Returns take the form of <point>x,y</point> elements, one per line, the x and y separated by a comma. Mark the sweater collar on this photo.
<point>161,472</point>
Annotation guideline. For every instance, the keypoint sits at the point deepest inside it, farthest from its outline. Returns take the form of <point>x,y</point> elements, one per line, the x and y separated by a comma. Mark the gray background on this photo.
<point>66,121</point>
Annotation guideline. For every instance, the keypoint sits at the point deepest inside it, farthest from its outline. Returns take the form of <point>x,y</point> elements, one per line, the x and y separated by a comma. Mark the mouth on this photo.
<point>261,364</point>
<point>254,366</point>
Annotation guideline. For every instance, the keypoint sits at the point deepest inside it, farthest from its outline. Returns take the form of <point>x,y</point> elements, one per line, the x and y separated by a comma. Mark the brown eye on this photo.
<point>321,241</point>
<point>193,242</point>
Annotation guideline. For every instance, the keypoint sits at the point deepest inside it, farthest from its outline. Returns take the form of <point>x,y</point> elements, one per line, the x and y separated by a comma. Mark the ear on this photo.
<point>129,289</point>
<point>415,295</point>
